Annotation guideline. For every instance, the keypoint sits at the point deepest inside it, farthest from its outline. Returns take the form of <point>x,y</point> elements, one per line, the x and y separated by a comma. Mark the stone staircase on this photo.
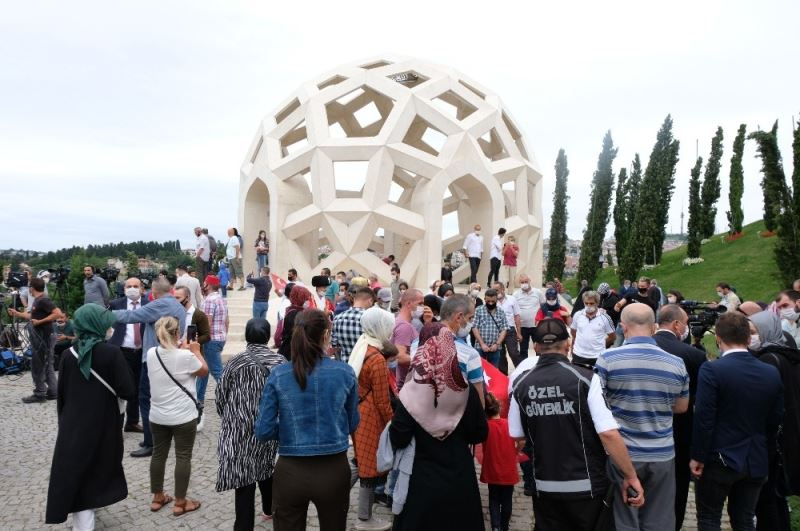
<point>240,310</point>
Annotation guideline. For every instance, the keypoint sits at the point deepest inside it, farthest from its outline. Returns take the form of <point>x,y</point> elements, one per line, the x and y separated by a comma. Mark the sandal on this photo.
<point>187,507</point>
<point>156,505</point>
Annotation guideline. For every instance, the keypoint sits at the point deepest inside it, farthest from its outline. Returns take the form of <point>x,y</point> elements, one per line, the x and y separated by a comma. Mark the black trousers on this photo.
<point>580,360</point>
<point>527,336</point>
<point>245,499</point>
<point>718,483</point>
<point>494,271</point>
<point>500,505</point>
<point>323,480</point>
<point>772,510</point>
<point>133,357</point>
<point>569,515</point>
<point>474,265</point>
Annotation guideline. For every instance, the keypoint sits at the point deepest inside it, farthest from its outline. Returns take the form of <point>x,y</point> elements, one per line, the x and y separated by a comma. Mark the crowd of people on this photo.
<point>602,402</point>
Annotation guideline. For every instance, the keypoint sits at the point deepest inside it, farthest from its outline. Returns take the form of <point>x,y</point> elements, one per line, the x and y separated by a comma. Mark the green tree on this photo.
<point>787,248</point>
<point>735,214</point>
<point>132,262</point>
<point>599,211</point>
<point>652,208</point>
<point>696,218</point>
<point>773,181</point>
<point>709,194</point>
<point>557,254</point>
<point>621,209</point>
<point>628,255</point>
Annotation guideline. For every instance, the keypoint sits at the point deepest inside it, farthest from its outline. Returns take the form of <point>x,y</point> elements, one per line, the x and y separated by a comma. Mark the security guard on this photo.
<point>560,409</point>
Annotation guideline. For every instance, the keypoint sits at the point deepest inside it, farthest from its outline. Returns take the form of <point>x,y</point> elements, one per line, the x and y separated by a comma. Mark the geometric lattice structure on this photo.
<point>389,156</point>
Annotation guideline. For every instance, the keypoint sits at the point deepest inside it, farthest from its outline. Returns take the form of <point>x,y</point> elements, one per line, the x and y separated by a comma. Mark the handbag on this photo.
<point>197,404</point>
<point>120,402</point>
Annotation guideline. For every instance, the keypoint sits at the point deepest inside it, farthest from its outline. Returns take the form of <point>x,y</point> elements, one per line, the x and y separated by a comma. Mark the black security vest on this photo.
<point>569,459</point>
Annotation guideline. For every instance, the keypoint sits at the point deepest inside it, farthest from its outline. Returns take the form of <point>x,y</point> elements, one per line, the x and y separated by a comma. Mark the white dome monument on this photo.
<point>389,156</point>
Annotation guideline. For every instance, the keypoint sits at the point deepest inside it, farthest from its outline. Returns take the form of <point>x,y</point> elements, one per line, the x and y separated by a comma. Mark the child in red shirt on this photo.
<point>499,468</point>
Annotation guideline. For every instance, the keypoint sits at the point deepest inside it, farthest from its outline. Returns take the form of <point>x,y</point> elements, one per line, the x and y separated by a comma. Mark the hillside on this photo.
<point>747,264</point>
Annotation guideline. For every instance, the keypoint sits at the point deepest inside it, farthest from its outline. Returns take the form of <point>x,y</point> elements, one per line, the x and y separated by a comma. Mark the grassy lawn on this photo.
<point>794,516</point>
<point>747,264</point>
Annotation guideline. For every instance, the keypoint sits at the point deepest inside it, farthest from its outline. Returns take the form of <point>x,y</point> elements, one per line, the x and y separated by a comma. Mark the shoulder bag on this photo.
<point>197,404</point>
<point>120,402</point>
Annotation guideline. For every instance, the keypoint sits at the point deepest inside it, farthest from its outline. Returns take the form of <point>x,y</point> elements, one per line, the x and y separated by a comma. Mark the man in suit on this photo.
<point>673,328</point>
<point>162,305</point>
<point>128,337</point>
<point>738,410</point>
<point>193,285</point>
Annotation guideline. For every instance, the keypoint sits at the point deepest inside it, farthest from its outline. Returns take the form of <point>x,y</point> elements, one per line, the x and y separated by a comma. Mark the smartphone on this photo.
<point>632,493</point>
<point>191,333</point>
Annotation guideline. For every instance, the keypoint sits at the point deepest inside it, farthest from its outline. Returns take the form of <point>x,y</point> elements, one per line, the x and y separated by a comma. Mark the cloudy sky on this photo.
<point>121,122</point>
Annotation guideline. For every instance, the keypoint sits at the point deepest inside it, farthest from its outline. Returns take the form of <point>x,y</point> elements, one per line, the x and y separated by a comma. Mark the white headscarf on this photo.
<point>377,325</point>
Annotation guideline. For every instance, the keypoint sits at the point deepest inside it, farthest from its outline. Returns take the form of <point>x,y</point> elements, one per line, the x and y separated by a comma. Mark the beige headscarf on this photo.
<point>377,325</point>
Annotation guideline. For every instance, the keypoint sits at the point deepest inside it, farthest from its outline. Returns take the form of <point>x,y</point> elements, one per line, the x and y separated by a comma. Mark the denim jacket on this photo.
<point>317,421</point>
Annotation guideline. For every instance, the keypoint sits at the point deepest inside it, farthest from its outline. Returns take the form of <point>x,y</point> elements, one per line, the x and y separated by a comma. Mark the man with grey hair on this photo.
<point>645,386</point>
<point>592,330</point>
<point>162,305</point>
<point>456,314</point>
<point>202,254</point>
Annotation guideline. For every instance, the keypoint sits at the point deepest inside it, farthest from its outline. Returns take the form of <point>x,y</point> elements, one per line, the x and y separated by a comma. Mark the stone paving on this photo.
<point>27,437</point>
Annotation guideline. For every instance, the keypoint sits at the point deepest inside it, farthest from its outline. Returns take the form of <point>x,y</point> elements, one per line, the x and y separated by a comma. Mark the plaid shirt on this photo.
<point>346,331</point>
<point>489,325</point>
<point>216,308</point>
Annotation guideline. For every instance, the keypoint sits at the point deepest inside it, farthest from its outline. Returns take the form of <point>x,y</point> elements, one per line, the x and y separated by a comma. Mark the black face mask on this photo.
<point>643,291</point>
<point>491,306</point>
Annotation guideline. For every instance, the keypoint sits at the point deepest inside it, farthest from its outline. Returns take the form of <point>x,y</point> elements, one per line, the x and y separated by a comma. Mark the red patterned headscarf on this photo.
<point>435,393</point>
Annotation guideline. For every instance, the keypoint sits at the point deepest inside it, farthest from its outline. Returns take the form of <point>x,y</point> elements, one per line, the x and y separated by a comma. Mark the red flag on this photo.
<point>496,383</point>
<point>277,283</point>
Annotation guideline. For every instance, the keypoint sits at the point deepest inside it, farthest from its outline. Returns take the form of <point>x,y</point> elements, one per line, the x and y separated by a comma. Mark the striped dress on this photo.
<point>243,460</point>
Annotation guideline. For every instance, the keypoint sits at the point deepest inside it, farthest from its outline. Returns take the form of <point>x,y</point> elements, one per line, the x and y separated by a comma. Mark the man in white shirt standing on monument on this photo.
<point>202,254</point>
<point>496,256</point>
<point>473,250</point>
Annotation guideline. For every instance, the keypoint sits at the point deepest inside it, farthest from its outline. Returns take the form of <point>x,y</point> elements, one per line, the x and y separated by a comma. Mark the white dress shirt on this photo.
<point>473,243</point>
<point>496,250</point>
<point>129,342</point>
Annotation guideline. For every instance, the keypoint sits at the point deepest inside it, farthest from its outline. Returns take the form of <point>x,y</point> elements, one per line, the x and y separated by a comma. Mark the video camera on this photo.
<point>109,274</point>
<point>702,317</point>
<point>16,279</point>
<point>59,276</point>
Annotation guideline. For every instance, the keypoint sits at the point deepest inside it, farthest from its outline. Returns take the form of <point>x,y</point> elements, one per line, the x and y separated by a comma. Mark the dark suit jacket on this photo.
<point>692,358</point>
<point>738,410</point>
<point>200,320</point>
<point>119,328</point>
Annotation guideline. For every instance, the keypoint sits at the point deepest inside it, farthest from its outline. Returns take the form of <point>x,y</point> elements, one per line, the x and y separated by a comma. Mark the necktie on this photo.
<point>137,330</point>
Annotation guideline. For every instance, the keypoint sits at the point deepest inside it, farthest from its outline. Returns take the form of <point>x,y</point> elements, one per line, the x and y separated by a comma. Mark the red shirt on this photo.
<point>499,455</point>
<point>556,315</point>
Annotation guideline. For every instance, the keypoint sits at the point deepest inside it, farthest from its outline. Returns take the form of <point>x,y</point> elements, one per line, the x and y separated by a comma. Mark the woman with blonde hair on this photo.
<point>174,412</point>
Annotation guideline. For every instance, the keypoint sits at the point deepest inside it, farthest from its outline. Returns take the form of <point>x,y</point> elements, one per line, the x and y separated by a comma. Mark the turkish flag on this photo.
<point>496,383</point>
<point>277,283</point>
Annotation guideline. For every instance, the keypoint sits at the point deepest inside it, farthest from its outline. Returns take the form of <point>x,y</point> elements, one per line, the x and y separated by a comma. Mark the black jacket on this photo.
<point>787,361</point>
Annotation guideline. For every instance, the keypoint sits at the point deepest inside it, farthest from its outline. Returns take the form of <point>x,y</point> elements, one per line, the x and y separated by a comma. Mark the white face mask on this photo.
<point>755,342</point>
<point>525,286</point>
<point>672,300</point>
<point>464,330</point>
<point>133,293</point>
<point>417,313</point>
<point>475,292</point>
<point>591,309</point>
<point>719,294</point>
<point>552,302</point>
<point>790,314</point>
<point>685,333</point>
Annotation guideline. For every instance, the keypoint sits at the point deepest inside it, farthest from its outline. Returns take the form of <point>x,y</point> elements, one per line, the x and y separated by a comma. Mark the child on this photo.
<point>499,468</point>
<point>224,278</point>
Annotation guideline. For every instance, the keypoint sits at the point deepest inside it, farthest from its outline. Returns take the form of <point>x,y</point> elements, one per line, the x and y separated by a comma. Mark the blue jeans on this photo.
<point>224,289</point>
<point>491,357</point>
<point>144,405</point>
<point>262,261</point>
<point>260,310</point>
<point>212,352</point>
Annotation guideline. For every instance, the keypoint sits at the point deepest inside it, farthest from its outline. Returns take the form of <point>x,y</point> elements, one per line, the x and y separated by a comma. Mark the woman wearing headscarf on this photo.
<point>87,468</point>
<point>244,461</point>
<point>443,414</point>
<point>300,299</point>
<point>768,343</point>
<point>369,362</point>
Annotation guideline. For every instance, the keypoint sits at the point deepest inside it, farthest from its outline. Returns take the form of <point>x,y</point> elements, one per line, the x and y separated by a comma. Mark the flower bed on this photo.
<point>692,261</point>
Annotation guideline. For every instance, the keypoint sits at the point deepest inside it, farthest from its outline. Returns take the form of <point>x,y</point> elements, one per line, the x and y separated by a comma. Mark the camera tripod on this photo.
<point>15,334</point>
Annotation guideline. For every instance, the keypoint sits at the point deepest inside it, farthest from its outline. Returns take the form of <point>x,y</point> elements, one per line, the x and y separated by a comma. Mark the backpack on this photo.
<point>212,244</point>
<point>9,363</point>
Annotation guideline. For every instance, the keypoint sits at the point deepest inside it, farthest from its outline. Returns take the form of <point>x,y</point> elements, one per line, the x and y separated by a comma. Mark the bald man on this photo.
<point>645,386</point>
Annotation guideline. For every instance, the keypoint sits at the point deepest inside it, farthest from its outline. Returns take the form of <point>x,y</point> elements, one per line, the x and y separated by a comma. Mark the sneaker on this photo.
<point>202,423</point>
<point>51,397</point>
<point>34,399</point>
<point>373,524</point>
<point>241,289</point>
<point>383,499</point>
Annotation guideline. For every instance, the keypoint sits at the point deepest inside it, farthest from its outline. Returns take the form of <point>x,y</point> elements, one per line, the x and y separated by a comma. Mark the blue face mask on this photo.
<point>393,365</point>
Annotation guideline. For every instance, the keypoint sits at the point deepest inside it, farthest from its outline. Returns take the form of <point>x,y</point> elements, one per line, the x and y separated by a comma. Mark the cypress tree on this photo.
<point>599,211</point>
<point>695,212</point>
<point>711,188</point>
<point>796,170</point>
<point>629,255</point>
<point>621,209</point>
<point>735,214</point>
<point>652,209</point>
<point>773,181</point>
<point>557,255</point>
<point>787,248</point>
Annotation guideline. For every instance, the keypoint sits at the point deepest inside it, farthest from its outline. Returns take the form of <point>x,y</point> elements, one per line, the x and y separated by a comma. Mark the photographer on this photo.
<point>95,288</point>
<point>43,313</point>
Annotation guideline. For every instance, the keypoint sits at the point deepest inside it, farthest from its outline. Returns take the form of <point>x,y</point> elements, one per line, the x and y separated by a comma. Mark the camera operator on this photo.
<point>43,313</point>
<point>95,288</point>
